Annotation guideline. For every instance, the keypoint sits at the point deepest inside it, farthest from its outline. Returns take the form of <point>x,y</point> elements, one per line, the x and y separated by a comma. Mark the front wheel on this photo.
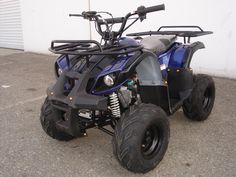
<point>49,116</point>
<point>141,138</point>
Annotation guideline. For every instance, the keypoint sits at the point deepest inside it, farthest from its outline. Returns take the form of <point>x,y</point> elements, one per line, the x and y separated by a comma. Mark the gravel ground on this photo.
<point>196,148</point>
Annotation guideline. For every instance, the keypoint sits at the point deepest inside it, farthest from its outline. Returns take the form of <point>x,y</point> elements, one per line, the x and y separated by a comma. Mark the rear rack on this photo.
<point>181,33</point>
<point>89,47</point>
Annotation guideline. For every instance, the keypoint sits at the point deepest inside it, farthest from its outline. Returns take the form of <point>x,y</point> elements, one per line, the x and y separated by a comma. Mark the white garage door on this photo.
<point>10,24</point>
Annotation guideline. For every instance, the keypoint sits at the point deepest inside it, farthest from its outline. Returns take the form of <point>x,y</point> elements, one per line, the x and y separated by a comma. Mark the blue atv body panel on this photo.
<point>62,62</point>
<point>117,66</point>
<point>172,58</point>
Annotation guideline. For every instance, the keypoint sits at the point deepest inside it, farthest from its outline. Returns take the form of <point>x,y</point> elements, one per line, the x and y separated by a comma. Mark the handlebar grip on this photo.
<point>89,13</point>
<point>75,15</point>
<point>155,8</point>
<point>86,15</point>
<point>111,20</point>
<point>144,10</point>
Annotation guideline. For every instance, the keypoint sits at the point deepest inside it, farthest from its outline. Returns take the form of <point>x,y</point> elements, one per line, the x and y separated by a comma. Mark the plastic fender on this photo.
<point>191,50</point>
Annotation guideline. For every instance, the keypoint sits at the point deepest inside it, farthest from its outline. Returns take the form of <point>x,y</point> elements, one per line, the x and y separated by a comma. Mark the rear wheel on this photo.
<point>141,138</point>
<point>49,116</point>
<point>201,101</point>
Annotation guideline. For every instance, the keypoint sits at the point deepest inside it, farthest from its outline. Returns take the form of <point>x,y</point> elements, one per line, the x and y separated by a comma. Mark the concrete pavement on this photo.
<point>196,148</point>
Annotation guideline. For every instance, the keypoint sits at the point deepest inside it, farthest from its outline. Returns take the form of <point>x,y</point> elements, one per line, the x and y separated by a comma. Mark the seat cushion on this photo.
<point>158,44</point>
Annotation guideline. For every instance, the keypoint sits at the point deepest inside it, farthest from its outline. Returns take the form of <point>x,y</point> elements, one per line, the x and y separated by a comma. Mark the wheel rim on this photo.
<point>151,141</point>
<point>207,98</point>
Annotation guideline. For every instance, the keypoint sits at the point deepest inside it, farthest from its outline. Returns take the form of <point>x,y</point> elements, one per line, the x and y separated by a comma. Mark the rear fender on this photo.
<point>179,56</point>
<point>191,49</point>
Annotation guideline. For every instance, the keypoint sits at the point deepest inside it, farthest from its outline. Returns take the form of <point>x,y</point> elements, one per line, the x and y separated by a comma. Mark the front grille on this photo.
<point>60,105</point>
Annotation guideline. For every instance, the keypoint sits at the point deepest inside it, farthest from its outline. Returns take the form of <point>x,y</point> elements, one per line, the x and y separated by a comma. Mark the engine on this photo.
<point>126,96</point>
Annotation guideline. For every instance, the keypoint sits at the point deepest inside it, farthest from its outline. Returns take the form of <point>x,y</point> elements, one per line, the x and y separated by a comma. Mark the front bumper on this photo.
<point>77,98</point>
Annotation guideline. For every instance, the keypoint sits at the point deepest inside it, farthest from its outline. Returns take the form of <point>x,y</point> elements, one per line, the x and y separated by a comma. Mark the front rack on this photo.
<point>181,33</point>
<point>90,47</point>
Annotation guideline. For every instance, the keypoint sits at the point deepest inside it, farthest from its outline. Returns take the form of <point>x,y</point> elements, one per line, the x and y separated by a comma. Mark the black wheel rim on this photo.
<point>151,141</point>
<point>207,98</point>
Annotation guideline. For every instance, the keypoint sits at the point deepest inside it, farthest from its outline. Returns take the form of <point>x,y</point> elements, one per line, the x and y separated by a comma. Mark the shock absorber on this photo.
<point>114,103</point>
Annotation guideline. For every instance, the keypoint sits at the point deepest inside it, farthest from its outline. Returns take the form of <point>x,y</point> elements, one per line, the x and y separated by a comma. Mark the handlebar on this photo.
<point>94,16</point>
<point>111,20</point>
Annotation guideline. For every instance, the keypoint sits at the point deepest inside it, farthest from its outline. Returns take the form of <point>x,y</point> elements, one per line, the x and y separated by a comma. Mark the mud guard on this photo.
<point>151,86</point>
<point>191,49</point>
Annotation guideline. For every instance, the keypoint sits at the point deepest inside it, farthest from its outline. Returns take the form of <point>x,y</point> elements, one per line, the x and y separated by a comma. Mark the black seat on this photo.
<point>158,44</point>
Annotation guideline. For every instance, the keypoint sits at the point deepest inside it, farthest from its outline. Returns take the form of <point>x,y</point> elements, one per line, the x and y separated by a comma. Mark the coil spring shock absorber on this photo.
<point>114,103</point>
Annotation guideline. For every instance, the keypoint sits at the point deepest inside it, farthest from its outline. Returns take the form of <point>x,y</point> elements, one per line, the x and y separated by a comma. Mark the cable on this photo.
<point>108,13</point>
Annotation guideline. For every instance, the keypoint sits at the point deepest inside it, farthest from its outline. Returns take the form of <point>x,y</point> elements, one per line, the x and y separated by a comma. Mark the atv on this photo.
<point>127,87</point>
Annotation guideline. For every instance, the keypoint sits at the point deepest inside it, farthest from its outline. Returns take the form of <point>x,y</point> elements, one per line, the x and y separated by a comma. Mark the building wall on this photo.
<point>46,20</point>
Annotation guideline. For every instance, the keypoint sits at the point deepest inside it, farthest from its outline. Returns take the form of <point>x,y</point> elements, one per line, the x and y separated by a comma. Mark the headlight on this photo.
<point>59,71</point>
<point>109,80</point>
